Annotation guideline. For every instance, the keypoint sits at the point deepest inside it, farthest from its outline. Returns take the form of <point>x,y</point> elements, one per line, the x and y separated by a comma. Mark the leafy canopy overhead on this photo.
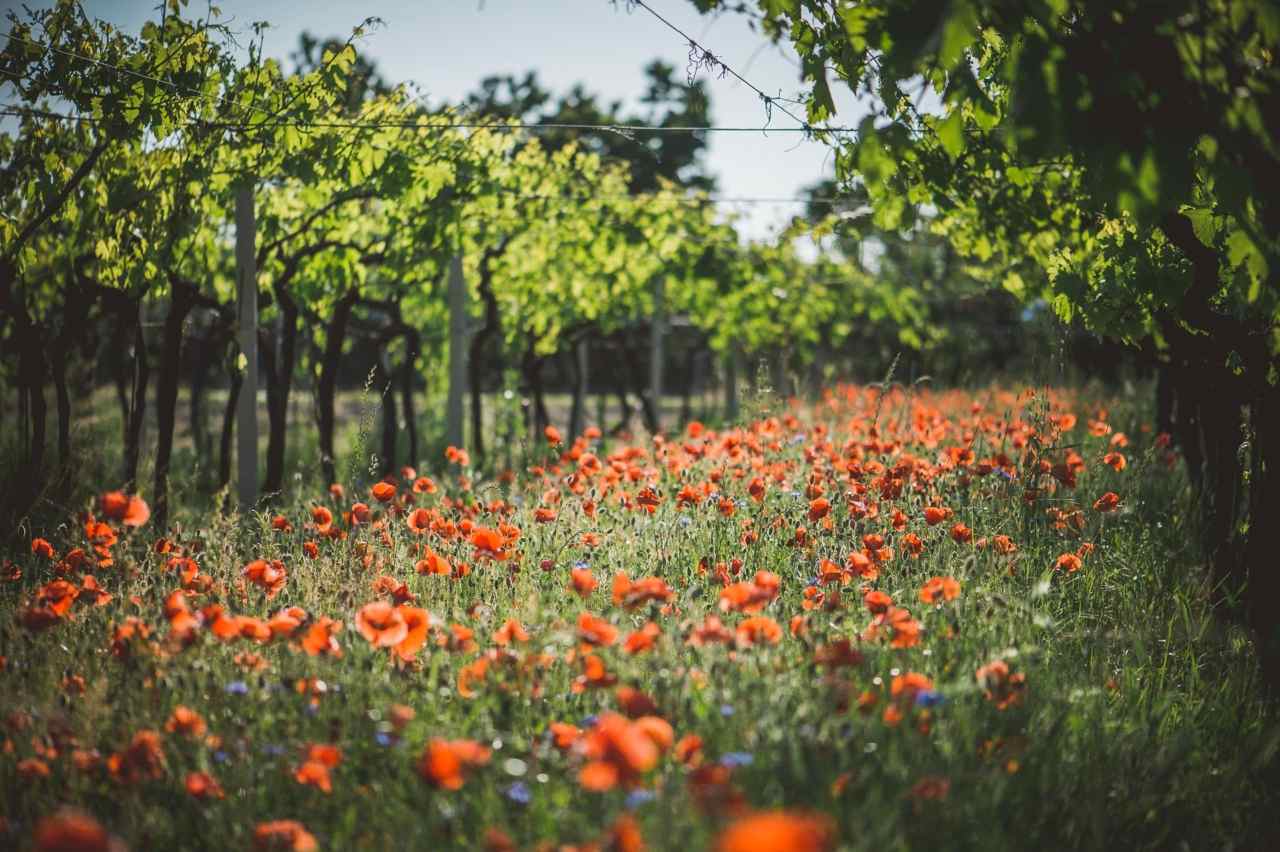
<point>1100,147</point>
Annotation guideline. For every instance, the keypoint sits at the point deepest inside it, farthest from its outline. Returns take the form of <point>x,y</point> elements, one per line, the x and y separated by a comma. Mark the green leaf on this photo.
<point>1062,307</point>
<point>1204,224</point>
<point>951,134</point>
<point>1242,252</point>
<point>959,31</point>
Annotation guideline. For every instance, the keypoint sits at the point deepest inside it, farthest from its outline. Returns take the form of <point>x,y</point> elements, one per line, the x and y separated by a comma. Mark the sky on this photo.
<point>447,46</point>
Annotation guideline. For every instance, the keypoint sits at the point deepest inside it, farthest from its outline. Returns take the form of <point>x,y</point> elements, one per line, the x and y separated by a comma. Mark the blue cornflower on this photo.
<point>519,793</point>
<point>636,798</point>
<point>929,698</point>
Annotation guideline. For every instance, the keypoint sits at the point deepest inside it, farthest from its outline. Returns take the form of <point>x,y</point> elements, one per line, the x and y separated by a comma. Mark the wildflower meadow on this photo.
<point>880,619</point>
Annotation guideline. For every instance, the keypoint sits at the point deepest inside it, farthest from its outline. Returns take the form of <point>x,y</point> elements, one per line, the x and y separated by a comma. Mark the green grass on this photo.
<point>1141,724</point>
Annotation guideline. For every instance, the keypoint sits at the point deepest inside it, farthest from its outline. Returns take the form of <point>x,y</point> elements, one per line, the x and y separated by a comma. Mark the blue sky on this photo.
<point>447,46</point>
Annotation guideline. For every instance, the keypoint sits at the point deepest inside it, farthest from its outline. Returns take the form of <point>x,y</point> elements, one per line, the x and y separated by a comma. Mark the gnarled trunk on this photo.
<point>531,369</point>
<point>1264,532</point>
<point>479,342</point>
<point>579,361</point>
<point>235,377</point>
<point>407,373</point>
<point>137,406</point>
<point>32,366</point>
<point>327,386</point>
<point>279,373</point>
<point>75,315</point>
<point>274,479</point>
<point>641,386</point>
<point>1210,400</point>
<point>199,356</point>
<point>180,303</point>
<point>692,379</point>
<point>59,370</point>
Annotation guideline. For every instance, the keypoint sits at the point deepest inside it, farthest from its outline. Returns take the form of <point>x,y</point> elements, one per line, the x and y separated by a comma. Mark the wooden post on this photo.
<point>582,359</point>
<point>247,303</point>
<point>602,406</point>
<point>778,367</point>
<point>732,372</point>
<point>458,320</point>
<point>656,332</point>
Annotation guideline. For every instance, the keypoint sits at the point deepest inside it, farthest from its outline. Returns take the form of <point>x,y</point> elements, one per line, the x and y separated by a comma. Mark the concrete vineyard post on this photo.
<point>656,333</point>
<point>458,320</point>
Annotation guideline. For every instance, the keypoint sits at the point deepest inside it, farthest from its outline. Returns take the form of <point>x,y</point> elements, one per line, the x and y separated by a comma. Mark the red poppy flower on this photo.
<point>283,834</point>
<point>877,601</point>
<point>270,576</point>
<point>907,685</point>
<point>470,675</point>
<point>433,563</point>
<point>643,639</point>
<point>635,703</point>
<point>633,595</point>
<point>778,831</point>
<point>382,624</point>
<point>130,510</point>
<point>417,622</point>
<point>445,763</point>
<point>595,675</point>
<point>1001,686</point>
<point>185,721</point>
<point>583,581</point>
<point>142,760</point>
<point>313,773</point>
<point>1068,562</point>
<point>711,631</point>
<point>419,521</point>
<point>69,830</point>
<point>322,517</point>
<point>934,515</point>
<point>322,638</point>
<point>1108,502</point>
<point>488,542</point>
<point>202,785</point>
<point>757,630</point>
<point>818,509</point>
<point>510,631</point>
<point>594,630</point>
<point>618,751</point>
<point>931,787</point>
<point>939,588</point>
